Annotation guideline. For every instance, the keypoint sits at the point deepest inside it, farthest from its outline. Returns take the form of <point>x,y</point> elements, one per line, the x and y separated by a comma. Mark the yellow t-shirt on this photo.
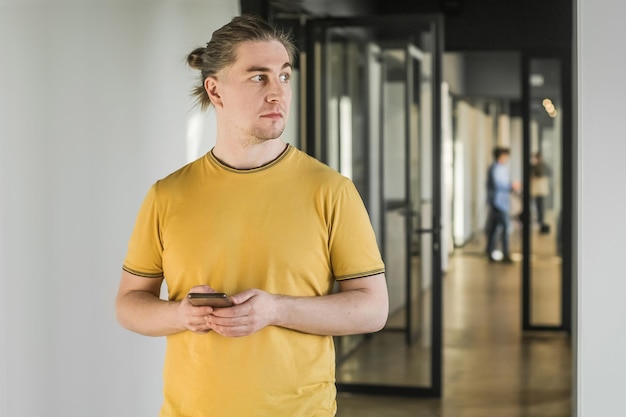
<point>291,227</point>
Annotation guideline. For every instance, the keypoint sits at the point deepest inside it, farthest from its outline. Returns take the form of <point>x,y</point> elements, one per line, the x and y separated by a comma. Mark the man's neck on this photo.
<point>249,155</point>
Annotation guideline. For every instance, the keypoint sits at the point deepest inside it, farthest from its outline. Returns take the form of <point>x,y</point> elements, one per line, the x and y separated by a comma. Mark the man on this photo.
<point>499,187</point>
<point>268,225</point>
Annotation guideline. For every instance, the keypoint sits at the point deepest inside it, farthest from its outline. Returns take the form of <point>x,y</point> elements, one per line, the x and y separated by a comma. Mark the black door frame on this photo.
<point>567,184</point>
<point>315,128</point>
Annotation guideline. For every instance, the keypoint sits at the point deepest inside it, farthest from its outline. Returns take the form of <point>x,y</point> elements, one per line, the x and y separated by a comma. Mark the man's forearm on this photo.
<point>144,313</point>
<point>351,311</point>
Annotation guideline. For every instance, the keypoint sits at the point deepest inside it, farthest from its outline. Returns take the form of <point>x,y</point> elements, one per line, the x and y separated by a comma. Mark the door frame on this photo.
<point>567,184</point>
<point>316,127</point>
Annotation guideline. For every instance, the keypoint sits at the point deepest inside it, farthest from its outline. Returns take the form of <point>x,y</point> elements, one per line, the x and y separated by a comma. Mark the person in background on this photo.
<point>499,188</point>
<point>540,188</point>
<point>268,225</point>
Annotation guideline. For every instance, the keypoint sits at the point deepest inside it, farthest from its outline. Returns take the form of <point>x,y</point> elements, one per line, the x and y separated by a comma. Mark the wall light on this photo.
<point>549,107</point>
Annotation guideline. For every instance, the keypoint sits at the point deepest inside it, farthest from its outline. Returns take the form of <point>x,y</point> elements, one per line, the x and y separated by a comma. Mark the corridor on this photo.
<point>491,368</point>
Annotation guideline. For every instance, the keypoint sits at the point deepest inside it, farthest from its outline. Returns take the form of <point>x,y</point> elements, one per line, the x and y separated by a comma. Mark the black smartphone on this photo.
<point>213,299</point>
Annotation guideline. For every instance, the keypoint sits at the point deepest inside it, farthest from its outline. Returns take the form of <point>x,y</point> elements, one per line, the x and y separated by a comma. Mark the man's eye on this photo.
<point>285,77</point>
<point>258,78</point>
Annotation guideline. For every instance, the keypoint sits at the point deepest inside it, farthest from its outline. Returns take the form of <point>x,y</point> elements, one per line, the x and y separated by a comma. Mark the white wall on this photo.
<point>453,68</point>
<point>394,183</point>
<point>474,141</point>
<point>94,107</point>
<point>601,87</point>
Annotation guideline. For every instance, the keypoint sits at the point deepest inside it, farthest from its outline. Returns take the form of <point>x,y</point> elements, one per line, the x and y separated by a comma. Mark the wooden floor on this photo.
<point>491,368</point>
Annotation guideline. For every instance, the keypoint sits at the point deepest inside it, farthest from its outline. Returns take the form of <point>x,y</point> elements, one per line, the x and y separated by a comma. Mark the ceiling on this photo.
<point>468,25</point>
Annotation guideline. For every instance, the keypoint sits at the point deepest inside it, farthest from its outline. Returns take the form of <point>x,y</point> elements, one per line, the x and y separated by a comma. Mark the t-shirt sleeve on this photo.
<point>145,250</point>
<point>353,249</point>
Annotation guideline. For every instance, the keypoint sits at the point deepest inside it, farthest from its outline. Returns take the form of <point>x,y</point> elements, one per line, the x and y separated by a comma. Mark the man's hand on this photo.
<point>253,310</point>
<point>194,318</point>
<point>140,309</point>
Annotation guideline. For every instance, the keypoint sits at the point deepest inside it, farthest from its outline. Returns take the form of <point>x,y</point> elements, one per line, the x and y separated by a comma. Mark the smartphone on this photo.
<point>212,299</point>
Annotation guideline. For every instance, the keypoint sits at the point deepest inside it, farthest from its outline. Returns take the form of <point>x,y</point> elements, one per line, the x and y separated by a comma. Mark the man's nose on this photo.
<point>276,92</point>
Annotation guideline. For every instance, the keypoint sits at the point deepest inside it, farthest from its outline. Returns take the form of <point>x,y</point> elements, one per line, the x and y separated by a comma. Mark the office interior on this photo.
<point>411,110</point>
<point>94,107</point>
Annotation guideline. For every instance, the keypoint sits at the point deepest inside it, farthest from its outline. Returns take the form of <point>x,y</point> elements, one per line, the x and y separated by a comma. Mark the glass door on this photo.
<point>372,114</point>
<point>546,279</point>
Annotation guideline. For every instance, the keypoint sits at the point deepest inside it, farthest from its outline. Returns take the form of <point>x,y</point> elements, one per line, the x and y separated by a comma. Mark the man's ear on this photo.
<point>212,90</point>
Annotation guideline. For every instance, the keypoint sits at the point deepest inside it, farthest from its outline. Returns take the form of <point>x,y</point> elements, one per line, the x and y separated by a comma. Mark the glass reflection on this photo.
<point>545,193</point>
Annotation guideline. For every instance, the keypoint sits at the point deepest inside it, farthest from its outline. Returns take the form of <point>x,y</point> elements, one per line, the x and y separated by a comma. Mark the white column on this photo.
<point>601,229</point>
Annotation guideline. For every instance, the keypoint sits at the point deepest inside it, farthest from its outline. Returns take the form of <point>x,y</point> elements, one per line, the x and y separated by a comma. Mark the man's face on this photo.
<point>255,91</point>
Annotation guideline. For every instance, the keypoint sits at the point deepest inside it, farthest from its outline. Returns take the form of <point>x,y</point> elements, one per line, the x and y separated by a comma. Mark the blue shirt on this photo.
<point>499,187</point>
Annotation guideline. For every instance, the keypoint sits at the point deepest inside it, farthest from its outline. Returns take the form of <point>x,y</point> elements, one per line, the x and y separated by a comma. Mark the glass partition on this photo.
<point>371,115</point>
<point>545,193</point>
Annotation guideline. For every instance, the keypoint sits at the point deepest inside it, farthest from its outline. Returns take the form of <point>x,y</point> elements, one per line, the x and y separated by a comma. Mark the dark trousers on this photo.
<point>497,223</point>
<point>539,205</point>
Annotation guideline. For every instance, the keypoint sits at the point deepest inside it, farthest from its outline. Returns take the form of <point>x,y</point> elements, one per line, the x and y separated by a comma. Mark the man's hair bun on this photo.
<point>194,60</point>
